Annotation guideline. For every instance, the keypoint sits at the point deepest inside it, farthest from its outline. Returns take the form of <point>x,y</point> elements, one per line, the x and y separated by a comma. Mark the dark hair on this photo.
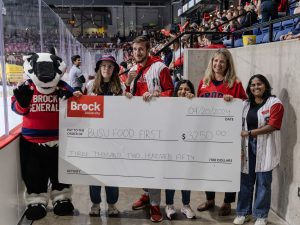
<point>179,83</point>
<point>142,39</point>
<point>97,66</point>
<point>75,57</point>
<point>124,64</point>
<point>264,80</point>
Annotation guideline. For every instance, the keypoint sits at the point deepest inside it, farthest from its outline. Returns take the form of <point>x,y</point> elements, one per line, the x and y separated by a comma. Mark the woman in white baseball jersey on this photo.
<point>262,117</point>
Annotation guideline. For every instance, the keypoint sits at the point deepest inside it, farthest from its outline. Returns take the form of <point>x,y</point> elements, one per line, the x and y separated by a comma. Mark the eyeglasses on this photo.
<point>107,66</point>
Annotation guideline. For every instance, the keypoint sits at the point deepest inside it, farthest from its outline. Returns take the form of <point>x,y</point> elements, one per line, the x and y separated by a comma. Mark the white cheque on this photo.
<point>168,143</point>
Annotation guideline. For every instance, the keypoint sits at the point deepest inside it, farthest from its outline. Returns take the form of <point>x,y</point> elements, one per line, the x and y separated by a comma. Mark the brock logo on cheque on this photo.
<point>86,106</point>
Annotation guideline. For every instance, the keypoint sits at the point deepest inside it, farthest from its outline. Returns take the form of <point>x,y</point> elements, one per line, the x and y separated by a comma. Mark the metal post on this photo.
<point>271,32</point>
<point>4,82</point>
<point>191,41</point>
<point>41,25</point>
<point>81,22</point>
<point>123,21</point>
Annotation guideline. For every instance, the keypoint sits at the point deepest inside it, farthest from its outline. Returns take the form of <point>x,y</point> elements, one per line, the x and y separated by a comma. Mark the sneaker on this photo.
<point>170,211</point>
<point>261,221</point>
<point>188,212</point>
<point>112,210</point>
<point>239,220</point>
<point>142,202</point>
<point>155,213</point>
<point>95,210</point>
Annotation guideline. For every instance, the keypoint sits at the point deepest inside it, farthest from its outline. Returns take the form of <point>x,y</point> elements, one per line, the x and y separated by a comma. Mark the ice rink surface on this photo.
<point>13,118</point>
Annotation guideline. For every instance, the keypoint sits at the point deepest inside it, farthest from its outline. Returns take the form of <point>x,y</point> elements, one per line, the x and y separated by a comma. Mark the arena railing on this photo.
<point>192,33</point>
<point>207,32</point>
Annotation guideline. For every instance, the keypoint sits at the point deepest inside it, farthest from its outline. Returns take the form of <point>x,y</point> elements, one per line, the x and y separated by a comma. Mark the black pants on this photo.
<point>38,165</point>
<point>229,196</point>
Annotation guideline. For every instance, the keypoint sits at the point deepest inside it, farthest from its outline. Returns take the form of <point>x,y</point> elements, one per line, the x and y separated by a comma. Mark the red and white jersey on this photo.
<point>213,91</point>
<point>155,77</point>
<point>40,118</point>
<point>268,150</point>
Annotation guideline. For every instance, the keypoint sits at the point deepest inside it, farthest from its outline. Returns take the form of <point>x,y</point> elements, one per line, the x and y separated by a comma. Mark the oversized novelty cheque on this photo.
<point>168,143</point>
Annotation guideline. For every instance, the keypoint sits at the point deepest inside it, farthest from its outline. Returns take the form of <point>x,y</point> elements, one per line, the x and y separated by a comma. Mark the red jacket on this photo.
<point>153,68</point>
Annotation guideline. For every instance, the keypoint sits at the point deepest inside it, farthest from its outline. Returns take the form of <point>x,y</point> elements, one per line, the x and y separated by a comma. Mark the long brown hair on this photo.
<point>230,74</point>
<point>115,83</point>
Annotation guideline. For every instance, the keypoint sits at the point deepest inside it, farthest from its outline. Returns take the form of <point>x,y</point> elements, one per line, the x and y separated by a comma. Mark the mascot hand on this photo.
<point>64,94</point>
<point>23,94</point>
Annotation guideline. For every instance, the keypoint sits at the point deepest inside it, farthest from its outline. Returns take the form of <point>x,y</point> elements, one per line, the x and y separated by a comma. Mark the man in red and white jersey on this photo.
<point>149,78</point>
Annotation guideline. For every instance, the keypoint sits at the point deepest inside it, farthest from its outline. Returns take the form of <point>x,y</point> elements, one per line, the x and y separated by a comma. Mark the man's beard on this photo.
<point>141,60</point>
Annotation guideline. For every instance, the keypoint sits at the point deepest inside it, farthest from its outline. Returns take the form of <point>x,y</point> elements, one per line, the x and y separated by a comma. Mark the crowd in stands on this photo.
<point>19,42</point>
<point>247,13</point>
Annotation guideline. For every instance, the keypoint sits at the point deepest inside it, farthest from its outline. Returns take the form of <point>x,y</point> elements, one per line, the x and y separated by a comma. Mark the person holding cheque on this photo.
<point>184,88</point>
<point>106,82</point>
<point>262,118</point>
<point>149,78</point>
<point>220,81</point>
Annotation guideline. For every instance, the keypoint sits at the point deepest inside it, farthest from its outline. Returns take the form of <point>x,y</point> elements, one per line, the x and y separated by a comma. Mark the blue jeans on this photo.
<point>263,182</point>
<point>112,194</point>
<point>170,197</point>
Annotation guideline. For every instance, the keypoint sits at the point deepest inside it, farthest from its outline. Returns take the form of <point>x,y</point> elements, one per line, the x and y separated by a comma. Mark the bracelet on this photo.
<point>249,133</point>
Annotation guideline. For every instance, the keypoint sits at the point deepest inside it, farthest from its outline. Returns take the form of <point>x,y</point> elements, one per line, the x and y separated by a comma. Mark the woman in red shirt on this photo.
<point>220,81</point>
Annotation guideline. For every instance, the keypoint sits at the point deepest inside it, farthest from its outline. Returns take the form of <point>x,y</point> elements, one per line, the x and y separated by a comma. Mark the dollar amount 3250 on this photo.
<point>196,135</point>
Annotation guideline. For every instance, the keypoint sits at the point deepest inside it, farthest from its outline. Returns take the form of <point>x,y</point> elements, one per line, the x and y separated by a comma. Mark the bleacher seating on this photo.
<point>288,24</point>
<point>281,32</point>
<point>238,43</point>
<point>262,34</point>
<point>259,38</point>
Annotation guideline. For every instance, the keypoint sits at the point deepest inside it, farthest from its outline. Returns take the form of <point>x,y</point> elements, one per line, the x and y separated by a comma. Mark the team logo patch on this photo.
<point>265,112</point>
<point>86,106</point>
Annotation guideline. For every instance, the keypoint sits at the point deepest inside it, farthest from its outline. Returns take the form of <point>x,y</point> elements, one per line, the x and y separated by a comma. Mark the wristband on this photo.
<point>249,133</point>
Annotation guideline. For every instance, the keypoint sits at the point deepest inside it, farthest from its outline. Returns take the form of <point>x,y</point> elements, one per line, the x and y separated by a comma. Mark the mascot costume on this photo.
<point>37,100</point>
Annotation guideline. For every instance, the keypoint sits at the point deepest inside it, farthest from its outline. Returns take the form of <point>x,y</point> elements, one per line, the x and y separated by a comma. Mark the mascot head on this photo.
<point>45,70</point>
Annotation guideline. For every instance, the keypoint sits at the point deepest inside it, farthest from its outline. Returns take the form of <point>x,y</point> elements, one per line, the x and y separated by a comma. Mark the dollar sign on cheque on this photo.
<point>183,136</point>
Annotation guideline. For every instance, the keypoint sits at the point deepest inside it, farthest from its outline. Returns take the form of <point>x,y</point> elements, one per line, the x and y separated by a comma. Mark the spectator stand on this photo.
<point>271,30</point>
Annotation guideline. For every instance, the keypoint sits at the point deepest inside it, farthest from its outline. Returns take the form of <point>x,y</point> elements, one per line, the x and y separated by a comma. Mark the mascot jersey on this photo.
<point>40,119</point>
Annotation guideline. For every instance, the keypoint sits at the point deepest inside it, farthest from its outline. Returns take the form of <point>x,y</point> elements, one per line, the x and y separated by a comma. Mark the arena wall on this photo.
<point>12,204</point>
<point>279,62</point>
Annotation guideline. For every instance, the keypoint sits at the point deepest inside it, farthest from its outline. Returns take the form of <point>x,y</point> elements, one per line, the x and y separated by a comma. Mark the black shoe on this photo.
<point>63,207</point>
<point>36,211</point>
<point>209,204</point>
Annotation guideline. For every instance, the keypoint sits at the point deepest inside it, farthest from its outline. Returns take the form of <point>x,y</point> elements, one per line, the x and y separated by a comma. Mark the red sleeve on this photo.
<point>241,92</point>
<point>15,106</point>
<point>179,61</point>
<point>276,115</point>
<point>166,83</point>
<point>199,88</point>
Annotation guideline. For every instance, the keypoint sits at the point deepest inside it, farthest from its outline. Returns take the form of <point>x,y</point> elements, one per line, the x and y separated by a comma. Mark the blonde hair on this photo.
<point>230,74</point>
<point>115,83</point>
